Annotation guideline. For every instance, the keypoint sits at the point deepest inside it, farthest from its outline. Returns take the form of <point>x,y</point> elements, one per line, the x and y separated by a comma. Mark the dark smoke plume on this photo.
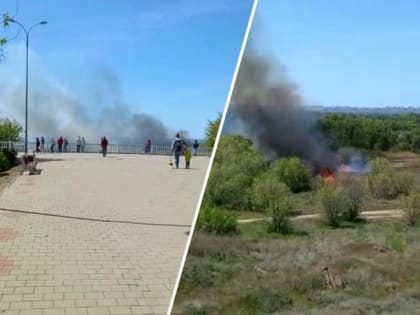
<point>268,108</point>
<point>56,111</point>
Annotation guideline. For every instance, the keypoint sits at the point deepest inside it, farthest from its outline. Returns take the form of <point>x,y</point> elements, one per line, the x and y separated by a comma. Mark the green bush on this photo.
<point>11,155</point>
<point>4,162</point>
<point>404,182</point>
<point>235,167</point>
<point>267,189</point>
<point>232,192</point>
<point>412,210</point>
<point>334,202</point>
<point>383,186</point>
<point>279,212</point>
<point>354,196</point>
<point>293,173</point>
<point>380,165</point>
<point>385,182</point>
<point>216,221</point>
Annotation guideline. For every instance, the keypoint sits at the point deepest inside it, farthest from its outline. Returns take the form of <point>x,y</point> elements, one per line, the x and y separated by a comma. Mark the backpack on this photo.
<point>178,145</point>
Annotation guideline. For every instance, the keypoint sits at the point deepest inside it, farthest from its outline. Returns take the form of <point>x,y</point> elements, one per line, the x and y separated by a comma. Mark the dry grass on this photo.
<point>247,275</point>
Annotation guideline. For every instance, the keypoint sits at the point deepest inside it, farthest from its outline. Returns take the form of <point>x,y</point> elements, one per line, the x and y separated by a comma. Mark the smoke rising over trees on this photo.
<point>267,107</point>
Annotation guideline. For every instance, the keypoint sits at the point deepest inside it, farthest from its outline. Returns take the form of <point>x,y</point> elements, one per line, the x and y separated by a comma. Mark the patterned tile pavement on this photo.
<point>59,265</point>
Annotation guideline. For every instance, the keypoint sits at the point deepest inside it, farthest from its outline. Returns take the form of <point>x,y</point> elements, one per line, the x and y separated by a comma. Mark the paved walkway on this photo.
<point>59,265</point>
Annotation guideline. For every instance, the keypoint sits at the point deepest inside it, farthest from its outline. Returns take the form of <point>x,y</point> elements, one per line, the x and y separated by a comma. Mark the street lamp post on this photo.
<point>27,74</point>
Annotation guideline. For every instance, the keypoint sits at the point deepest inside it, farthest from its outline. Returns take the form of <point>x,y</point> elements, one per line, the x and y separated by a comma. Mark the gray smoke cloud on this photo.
<point>56,111</point>
<point>267,107</point>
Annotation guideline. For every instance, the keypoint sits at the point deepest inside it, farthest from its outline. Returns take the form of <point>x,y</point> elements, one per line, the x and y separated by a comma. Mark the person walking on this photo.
<point>78,144</point>
<point>83,145</point>
<point>148,148</point>
<point>177,149</point>
<point>38,145</point>
<point>104,146</point>
<point>66,144</point>
<point>42,144</point>
<point>52,142</point>
<point>187,155</point>
<point>195,147</point>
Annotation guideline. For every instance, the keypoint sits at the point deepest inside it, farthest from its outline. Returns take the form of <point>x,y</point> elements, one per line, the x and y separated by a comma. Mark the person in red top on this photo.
<point>60,144</point>
<point>104,145</point>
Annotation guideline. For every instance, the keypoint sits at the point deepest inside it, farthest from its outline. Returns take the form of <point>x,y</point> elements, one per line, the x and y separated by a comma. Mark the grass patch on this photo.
<point>395,242</point>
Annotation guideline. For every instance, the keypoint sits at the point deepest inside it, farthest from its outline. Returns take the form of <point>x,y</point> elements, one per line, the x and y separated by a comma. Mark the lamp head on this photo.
<point>43,22</point>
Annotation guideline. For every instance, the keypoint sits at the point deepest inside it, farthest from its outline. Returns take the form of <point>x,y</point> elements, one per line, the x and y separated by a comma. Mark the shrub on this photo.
<point>317,182</point>
<point>216,221</point>
<point>404,182</point>
<point>231,192</point>
<point>334,203</point>
<point>280,211</point>
<point>382,185</point>
<point>4,162</point>
<point>11,155</point>
<point>390,185</point>
<point>412,210</point>
<point>354,196</point>
<point>379,166</point>
<point>293,173</point>
<point>267,189</point>
<point>235,167</point>
<point>385,182</point>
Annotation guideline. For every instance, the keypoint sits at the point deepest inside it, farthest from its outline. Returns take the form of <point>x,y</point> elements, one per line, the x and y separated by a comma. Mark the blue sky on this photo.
<point>346,52</point>
<point>170,59</point>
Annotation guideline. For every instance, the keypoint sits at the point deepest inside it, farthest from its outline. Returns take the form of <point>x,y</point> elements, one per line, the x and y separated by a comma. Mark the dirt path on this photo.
<point>377,214</point>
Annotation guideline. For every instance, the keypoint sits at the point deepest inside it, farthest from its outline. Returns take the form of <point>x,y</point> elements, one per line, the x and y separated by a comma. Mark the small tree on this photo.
<point>211,131</point>
<point>334,202</point>
<point>412,210</point>
<point>280,211</point>
<point>9,130</point>
<point>354,193</point>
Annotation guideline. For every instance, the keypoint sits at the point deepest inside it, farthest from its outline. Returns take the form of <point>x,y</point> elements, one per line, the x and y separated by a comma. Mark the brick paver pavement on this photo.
<point>56,265</point>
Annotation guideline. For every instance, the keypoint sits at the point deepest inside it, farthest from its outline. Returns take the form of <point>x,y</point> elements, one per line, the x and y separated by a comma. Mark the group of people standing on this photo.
<point>62,144</point>
<point>179,147</point>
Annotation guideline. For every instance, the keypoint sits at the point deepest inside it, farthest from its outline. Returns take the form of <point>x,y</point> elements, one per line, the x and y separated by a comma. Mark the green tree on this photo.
<point>5,23</point>
<point>9,130</point>
<point>211,131</point>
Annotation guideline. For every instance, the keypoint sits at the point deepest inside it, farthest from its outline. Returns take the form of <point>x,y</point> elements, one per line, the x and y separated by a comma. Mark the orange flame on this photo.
<point>328,175</point>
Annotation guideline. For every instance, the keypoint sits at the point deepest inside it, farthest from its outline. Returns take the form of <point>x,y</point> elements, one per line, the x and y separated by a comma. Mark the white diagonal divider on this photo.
<point>203,189</point>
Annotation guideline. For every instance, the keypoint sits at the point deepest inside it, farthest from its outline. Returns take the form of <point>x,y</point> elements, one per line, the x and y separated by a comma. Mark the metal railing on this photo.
<point>157,149</point>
